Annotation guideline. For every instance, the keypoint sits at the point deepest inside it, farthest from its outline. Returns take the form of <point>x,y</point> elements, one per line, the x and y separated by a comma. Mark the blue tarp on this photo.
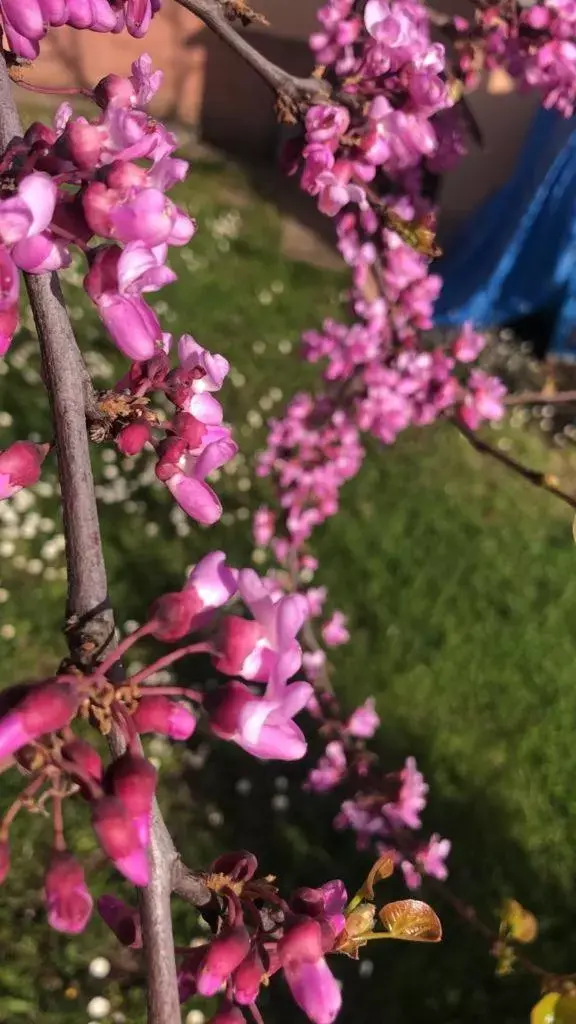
<point>516,255</point>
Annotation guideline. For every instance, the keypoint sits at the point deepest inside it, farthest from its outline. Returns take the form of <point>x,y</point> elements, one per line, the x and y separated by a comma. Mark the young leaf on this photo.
<point>412,921</point>
<point>518,923</point>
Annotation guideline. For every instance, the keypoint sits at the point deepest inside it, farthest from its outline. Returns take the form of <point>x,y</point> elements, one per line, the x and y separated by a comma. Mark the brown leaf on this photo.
<point>383,868</point>
<point>412,921</point>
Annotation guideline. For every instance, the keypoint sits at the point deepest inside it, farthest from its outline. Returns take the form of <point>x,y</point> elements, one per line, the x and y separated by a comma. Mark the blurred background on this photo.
<point>458,580</point>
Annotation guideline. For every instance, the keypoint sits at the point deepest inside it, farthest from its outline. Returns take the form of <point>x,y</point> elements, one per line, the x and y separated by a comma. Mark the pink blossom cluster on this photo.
<point>78,182</point>
<point>246,953</point>
<point>389,83</point>
<point>536,44</point>
<point>26,23</point>
<point>255,710</point>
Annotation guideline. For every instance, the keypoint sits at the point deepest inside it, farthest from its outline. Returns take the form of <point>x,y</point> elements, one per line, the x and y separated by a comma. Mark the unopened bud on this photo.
<point>224,954</point>
<point>133,438</point>
<point>188,428</point>
<point>133,780</point>
<point>45,708</point>
<point>88,760</point>
<point>247,978</point>
<point>228,1014</point>
<point>68,900</point>
<point>20,466</point>
<point>173,614</point>
<point>121,919</point>
<point>162,715</point>
<point>118,837</point>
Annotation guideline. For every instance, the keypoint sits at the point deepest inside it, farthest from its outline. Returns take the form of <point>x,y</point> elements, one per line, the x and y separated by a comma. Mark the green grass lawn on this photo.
<point>460,585</point>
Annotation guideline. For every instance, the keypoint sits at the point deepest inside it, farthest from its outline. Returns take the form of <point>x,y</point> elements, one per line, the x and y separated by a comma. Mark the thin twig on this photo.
<point>281,81</point>
<point>544,481</point>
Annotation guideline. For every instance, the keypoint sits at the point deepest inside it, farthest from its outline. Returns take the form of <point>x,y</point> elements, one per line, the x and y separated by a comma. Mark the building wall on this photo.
<point>208,86</point>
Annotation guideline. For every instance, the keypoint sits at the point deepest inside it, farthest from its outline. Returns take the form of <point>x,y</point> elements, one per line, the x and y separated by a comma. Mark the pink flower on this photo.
<point>186,480</point>
<point>275,646</point>
<point>364,721</point>
<point>334,632</point>
<point>311,982</point>
<point>247,978</point>
<point>46,707</point>
<point>118,837</point>
<point>468,344</point>
<point>330,770</point>
<point>411,799</point>
<point>30,211</point>
<point>20,466</point>
<point>132,779</point>
<point>262,726</point>
<point>263,526</point>
<point>160,714</point>
<point>483,401</point>
<point>223,955</point>
<point>429,859</point>
<point>68,900</point>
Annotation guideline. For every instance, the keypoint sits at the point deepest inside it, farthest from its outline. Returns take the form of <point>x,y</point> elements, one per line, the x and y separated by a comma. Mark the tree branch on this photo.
<point>282,82</point>
<point>90,617</point>
<point>544,481</point>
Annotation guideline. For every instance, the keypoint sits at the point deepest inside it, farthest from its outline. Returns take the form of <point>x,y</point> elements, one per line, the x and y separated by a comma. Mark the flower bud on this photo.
<point>118,837</point>
<point>88,760</point>
<point>121,919</point>
<point>20,466</point>
<point>83,143</point>
<point>170,452</point>
<point>228,1014</point>
<point>114,89</point>
<point>133,438</point>
<point>173,614</point>
<point>68,900</point>
<point>224,954</point>
<point>240,865</point>
<point>301,943</point>
<point>160,714</point>
<point>308,901</point>
<point>44,709</point>
<point>133,780</point>
<point>247,979</point>
<point>188,428</point>
<point>236,640</point>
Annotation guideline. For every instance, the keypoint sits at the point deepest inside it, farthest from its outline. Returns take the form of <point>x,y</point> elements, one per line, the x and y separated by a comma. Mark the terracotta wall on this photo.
<point>208,86</point>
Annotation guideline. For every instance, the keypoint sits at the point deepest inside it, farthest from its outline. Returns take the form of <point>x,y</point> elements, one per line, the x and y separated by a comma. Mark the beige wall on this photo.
<point>209,86</point>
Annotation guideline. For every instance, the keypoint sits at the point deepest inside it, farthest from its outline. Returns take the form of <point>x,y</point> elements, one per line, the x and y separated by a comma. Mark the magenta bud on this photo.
<point>121,919</point>
<point>237,638</point>
<point>118,837</point>
<point>133,438</point>
<point>98,203</point>
<point>4,859</point>
<point>170,452</point>
<point>45,708</point>
<point>68,900</point>
<point>302,943</point>
<point>240,866</point>
<point>308,901</point>
<point>228,1014</point>
<point>133,780</point>
<point>103,273</point>
<point>88,760</point>
<point>114,88</point>
<point>83,143</point>
<point>247,978</point>
<point>20,466</point>
<point>188,428</point>
<point>224,954</point>
<point>38,132</point>
<point>160,714</point>
<point>124,175</point>
<point>173,614</point>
